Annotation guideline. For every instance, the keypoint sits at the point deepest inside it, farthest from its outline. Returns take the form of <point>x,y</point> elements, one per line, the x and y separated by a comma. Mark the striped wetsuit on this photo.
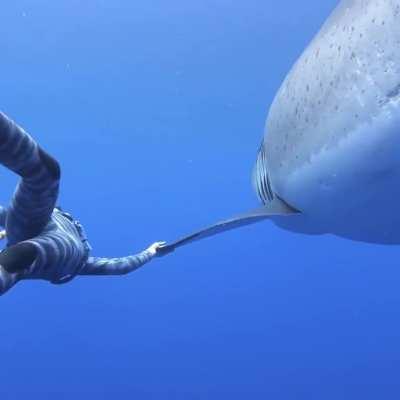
<point>44,242</point>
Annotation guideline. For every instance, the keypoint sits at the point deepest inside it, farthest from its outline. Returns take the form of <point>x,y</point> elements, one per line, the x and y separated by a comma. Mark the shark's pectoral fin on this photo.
<point>276,207</point>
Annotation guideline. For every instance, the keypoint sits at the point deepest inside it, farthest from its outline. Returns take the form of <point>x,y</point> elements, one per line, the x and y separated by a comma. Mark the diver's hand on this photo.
<point>3,235</point>
<point>164,249</point>
<point>153,249</point>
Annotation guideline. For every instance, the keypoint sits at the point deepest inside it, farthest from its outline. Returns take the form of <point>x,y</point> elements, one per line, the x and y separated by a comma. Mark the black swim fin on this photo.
<point>273,208</point>
<point>18,257</point>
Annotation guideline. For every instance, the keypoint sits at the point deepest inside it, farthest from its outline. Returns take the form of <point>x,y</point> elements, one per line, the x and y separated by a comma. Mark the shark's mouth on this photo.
<point>261,180</point>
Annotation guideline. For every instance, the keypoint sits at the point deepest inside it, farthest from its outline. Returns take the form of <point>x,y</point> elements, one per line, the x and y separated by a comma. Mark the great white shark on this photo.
<point>329,161</point>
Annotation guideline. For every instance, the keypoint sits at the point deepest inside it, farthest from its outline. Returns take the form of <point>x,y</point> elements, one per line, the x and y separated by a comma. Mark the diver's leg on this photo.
<point>34,200</point>
<point>36,194</point>
<point>3,216</point>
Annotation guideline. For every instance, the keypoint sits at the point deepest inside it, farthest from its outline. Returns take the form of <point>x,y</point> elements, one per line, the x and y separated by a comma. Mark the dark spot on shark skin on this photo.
<point>394,92</point>
<point>391,95</point>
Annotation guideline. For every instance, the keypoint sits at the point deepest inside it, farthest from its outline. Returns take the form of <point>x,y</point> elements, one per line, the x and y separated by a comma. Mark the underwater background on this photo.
<point>155,111</point>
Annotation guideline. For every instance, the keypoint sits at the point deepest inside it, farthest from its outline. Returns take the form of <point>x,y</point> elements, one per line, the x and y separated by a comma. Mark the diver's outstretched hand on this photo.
<point>156,249</point>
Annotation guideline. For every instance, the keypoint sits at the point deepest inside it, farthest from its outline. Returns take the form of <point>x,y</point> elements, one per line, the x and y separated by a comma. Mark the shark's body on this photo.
<point>332,143</point>
<point>330,158</point>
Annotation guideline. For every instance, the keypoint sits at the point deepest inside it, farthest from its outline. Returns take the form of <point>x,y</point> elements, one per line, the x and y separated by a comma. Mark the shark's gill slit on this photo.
<point>261,180</point>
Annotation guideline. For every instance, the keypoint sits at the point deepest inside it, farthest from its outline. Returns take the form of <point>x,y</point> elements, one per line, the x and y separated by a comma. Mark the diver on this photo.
<point>43,241</point>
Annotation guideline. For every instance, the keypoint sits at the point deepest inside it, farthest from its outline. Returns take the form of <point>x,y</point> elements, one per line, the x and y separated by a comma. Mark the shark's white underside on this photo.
<point>332,141</point>
<point>353,188</point>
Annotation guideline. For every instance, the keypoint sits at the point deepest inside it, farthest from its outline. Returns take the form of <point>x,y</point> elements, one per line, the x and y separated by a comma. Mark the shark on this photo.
<point>329,161</point>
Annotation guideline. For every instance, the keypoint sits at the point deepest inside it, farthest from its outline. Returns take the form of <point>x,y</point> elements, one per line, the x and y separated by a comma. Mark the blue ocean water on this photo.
<point>155,111</point>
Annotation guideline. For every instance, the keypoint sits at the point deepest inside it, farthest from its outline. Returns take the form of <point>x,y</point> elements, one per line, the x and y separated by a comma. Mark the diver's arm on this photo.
<point>115,266</point>
<point>121,265</point>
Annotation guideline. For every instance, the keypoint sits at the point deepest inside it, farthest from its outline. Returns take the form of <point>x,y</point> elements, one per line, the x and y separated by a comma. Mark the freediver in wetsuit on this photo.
<point>43,242</point>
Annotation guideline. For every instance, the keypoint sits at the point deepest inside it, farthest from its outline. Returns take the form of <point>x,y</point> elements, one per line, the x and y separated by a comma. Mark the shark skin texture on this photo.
<point>331,147</point>
<point>329,162</point>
